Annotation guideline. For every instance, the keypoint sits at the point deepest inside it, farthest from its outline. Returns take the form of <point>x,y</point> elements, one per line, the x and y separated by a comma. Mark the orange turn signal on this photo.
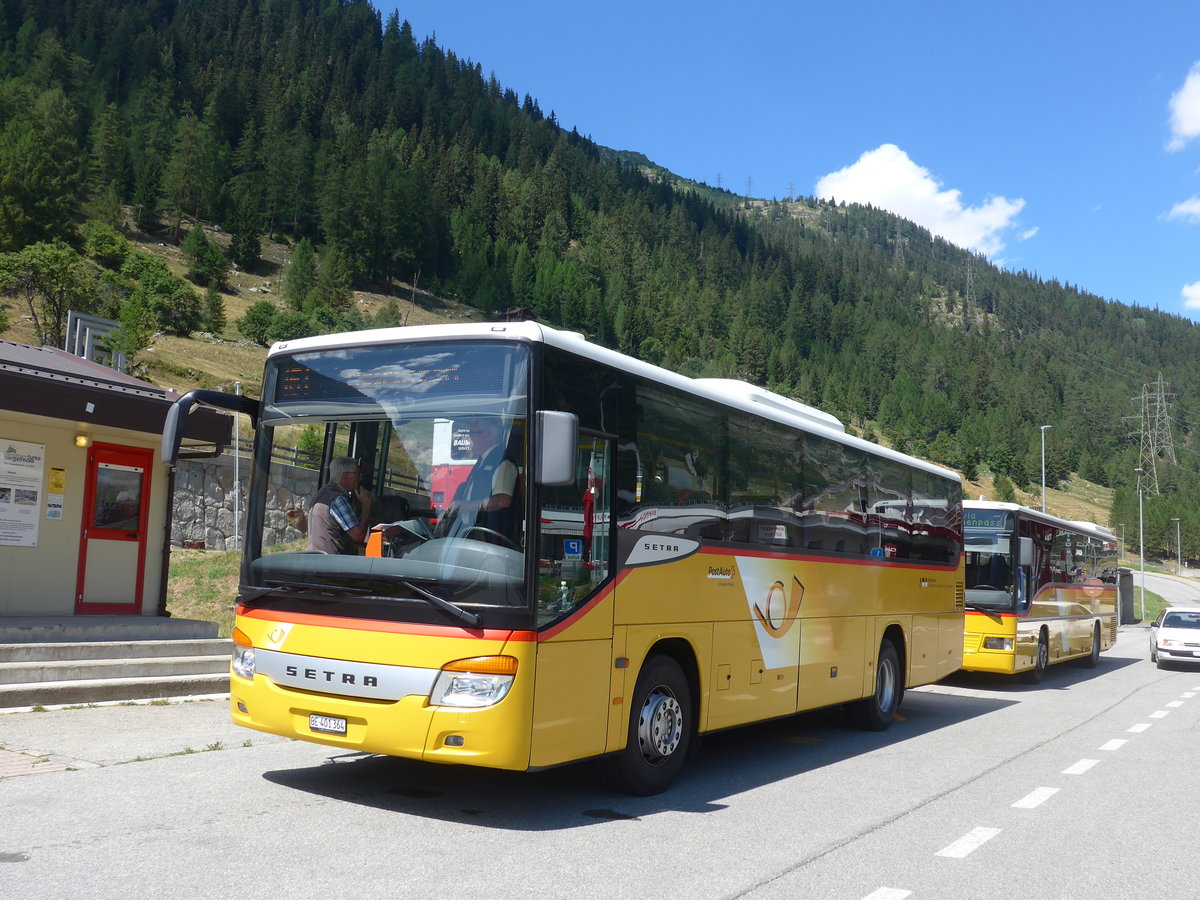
<point>240,637</point>
<point>484,665</point>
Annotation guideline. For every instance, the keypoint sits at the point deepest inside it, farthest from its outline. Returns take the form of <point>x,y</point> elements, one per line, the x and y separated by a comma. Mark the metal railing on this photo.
<point>307,459</point>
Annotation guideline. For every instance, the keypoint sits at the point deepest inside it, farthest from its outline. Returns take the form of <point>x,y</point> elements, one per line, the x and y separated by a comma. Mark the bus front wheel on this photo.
<point>660,729</point>
<point>1042,662</point>
<point>875,713</point>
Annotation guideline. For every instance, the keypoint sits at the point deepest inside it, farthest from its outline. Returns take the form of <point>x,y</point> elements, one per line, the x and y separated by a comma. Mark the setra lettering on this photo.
<point>330,676</point>
<point>660,548</point>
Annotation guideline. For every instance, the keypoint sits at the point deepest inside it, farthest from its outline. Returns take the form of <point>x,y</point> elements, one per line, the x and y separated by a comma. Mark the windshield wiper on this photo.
<point>463,615</point>
<point>301,587</point>
<point>456,612</point>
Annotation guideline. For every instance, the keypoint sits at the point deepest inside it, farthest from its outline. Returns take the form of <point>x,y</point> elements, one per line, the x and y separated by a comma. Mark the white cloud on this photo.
<point>1185,111</point>
<point>1191,295</point>
<point>887,178</point>
<point>1027,233</point>
<point>1187,210</point>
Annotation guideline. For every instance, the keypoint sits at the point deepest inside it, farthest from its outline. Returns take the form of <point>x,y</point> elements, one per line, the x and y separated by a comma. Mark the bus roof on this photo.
<point>726,391</point>
<point>1073,524</point>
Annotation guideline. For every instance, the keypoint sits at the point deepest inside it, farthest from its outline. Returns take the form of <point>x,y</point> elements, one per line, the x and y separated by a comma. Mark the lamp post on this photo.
<point>1178,552</point>
<point>1044,427</point>
<point>1141,543</point>
<point>237,470</point>
<point>1121,525</point>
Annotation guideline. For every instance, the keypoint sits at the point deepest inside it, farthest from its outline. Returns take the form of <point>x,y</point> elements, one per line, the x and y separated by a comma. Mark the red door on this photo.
<point>116,508</point>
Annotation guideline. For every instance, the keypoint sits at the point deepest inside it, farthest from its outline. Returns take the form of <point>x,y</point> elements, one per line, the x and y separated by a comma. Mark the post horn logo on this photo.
<point>781,608</point>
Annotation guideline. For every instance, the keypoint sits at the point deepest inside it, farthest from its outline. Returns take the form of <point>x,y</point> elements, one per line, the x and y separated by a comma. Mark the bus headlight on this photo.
<point>997,643</point>
<point>477,682</point>
<point>243,655</point>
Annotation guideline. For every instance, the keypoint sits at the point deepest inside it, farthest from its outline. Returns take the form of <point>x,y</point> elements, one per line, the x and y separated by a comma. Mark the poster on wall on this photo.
<point>22,466</point>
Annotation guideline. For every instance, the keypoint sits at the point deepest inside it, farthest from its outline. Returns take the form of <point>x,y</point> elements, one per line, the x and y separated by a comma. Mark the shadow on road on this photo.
<point>1060,677</point>
<point>728,763</point>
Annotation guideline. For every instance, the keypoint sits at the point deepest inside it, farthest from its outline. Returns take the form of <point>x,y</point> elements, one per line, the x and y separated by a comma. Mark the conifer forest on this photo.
<point>381,159</point>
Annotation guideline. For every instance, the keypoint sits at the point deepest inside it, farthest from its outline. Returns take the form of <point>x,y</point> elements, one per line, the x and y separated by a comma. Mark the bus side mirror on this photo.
<point>1025,551</point>
<point>558,440</point>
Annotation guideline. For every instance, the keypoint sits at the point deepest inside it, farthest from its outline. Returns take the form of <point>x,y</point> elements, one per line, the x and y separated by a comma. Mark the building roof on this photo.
<point>46,381</point>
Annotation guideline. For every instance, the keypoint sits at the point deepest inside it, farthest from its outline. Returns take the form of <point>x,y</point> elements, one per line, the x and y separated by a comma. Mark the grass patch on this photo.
<point>202,584</point>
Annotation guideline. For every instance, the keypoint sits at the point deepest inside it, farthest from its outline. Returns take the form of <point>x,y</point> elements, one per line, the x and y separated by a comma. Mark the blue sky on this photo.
<point>1059,138</point>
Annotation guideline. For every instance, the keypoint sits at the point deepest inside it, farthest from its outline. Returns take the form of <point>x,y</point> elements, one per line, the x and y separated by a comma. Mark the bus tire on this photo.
<point>1041,661</point>
<point>660,730</point>
<point>875,713</point>
<point>1093,659</point>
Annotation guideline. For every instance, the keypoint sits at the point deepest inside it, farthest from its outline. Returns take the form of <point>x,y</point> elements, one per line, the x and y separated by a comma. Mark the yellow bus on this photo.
<point>1040,590</point>
<point>677,556</point>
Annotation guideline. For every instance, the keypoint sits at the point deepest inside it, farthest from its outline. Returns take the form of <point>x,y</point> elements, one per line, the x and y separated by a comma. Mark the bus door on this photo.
<point>112,547</point>
<point>574,612</point>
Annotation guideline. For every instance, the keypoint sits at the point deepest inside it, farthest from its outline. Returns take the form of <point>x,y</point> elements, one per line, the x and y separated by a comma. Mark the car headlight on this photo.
<point>997,643</point>
<point>477,682</point>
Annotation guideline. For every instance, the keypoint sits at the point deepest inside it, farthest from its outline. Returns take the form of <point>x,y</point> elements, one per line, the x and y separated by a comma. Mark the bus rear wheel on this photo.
<point>1042,661</point>
<point>1093,659</point>
<point>875,713</point>
<point>660,730</point>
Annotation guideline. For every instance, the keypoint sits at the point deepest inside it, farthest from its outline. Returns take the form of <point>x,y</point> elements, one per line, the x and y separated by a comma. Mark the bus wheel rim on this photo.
<point>887,686</point>
<point>660,726</point>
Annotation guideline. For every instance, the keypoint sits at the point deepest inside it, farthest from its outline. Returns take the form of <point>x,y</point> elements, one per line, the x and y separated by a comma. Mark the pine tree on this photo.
<point>301,275</point>
<point>245,246</point>
<point>214,309</point>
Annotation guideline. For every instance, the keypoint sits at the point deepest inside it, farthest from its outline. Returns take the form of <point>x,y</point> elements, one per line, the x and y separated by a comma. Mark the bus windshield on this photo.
<point>435,434</point>
<point>989,569</point>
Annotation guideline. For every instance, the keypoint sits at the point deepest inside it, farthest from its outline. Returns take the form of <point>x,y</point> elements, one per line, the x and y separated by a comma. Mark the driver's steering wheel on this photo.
<point>503,541</point>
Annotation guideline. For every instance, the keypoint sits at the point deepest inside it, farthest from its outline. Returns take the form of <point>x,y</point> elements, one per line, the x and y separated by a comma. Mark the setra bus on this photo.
<point>1040,590</point>
<point>681,556</point>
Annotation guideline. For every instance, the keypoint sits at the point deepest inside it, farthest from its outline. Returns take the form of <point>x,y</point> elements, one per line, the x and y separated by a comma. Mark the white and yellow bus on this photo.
<point>1040,590</point>
<point>679,556</point>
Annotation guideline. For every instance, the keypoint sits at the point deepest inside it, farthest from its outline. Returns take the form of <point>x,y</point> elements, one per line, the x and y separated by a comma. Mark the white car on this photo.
<point>1175,636</point>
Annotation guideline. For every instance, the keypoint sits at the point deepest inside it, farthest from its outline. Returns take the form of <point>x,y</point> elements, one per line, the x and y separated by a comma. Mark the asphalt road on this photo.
<point>985,788</point>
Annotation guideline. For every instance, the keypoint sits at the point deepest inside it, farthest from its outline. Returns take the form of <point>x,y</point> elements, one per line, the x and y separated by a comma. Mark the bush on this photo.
<point>105,244</point>
<point>288,325</point>
<point>257,320</point>
<point>178,308</point>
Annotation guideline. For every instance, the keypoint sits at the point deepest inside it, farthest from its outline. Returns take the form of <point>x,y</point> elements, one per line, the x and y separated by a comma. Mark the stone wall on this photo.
<point>204,501</point>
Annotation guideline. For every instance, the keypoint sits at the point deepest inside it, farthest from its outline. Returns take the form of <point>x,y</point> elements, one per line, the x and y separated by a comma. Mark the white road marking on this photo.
<point>887,893</point>
<point>1175,704</point>
<point>1080,767</point>
<point>1114,744</point>
<point>972,840</point>
<point>1160,714</point>
<point>1188,695</point>
<point>1140,727</point>
<point>1036,798</point>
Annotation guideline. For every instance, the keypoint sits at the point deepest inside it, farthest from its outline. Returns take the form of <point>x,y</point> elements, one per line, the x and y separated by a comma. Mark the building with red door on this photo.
<point>85,499</point>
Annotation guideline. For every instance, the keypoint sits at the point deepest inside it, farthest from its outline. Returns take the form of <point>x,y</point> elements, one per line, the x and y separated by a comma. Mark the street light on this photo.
<point>1121,525</point>
<point>1044,427</point>
<point>1178,553</point>
<point>1141,542</point>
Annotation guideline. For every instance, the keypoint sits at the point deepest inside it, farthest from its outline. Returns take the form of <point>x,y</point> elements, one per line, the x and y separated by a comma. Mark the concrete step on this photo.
<point>28,652</point>
<point>98,690</point>
<point>68,629</point>
<point>128,667</point>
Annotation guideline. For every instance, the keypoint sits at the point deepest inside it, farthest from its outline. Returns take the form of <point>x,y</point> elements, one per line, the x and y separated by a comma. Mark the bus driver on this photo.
<point>485,499</point>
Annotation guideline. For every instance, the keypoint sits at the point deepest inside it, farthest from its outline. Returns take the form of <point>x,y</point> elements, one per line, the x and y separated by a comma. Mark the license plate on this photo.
<point>327,724</point>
